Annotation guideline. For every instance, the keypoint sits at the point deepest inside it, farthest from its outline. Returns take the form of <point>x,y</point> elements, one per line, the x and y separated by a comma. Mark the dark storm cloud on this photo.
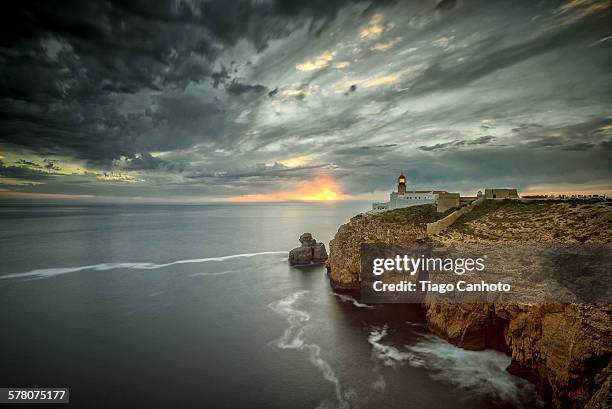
<point>219,77</point>
<point>446,4</point>
<point>146,161</point>
<point>482,140</point>
<point>389,145</point>
<point>51,164</point>
<point>182,97</point>
<point>360,150</point>
<point>186,119</point>
<point>262,171</point>
<point>25,170</point>
<point>582,146</point>
<point>130,43</point>
<point>65,63</point>
<point>456,144</point>
<point>351,89</point>
<point>442,146</point>
<point>28,164</point>
<point>588,132</point>
<point>238,88</point>
<point>494,53</point>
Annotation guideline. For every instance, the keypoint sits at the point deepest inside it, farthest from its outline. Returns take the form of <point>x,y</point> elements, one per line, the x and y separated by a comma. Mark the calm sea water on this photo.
<point>196,307</point>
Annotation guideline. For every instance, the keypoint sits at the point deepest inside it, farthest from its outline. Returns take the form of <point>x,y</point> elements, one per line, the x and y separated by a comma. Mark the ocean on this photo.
<point>195,306</point>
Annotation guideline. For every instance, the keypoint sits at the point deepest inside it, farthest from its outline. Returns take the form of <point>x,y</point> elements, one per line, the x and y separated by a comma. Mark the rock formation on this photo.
<point>564,349</point>
<point>344,264</point>
<point>309,252</point>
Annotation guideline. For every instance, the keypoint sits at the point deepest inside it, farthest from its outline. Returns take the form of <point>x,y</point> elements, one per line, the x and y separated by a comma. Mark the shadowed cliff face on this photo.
<point>343,264</point>
<point>565,349</point>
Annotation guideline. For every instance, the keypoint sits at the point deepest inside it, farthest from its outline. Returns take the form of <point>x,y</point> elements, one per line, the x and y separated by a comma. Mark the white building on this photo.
<point>406,198</point>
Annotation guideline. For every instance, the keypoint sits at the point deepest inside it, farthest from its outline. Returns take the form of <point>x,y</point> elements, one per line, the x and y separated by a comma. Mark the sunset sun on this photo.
<point>325,195</point>
<point>322,188</point>
<point>329,195</point>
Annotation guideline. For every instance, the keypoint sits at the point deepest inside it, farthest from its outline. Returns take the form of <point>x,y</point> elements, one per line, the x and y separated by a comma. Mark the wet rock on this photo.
<point>319,254</point>
<point>309,252</point>
<point>300,256</point>
<point>307,240</point>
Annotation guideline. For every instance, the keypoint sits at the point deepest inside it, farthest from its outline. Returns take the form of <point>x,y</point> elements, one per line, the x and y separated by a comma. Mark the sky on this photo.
<point>262,100</point>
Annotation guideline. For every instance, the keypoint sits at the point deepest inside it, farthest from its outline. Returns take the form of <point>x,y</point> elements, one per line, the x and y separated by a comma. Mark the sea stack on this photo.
<point>309,252</point>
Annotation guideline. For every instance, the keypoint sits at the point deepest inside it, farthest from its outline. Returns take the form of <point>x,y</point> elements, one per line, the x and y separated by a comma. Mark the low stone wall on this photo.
<point>442,224</point>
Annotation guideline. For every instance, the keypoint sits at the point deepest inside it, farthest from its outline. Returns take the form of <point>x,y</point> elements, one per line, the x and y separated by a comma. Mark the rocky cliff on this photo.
<point>343,264</point>
<point>564,349</point>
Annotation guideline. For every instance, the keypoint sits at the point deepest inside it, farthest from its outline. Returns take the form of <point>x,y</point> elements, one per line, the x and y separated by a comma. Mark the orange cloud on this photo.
<point>317,63</point>
<point>376,27</point>
<point>321,189</point>
<point>384,80</point>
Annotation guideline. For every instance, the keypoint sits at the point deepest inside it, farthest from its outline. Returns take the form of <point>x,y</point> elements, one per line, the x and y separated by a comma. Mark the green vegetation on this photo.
<point>505,211</point>
<point>546,221</point>
<point>413,215</point>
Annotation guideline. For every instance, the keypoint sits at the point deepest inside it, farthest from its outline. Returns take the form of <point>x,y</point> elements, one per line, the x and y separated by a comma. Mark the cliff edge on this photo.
<point>564,349</point>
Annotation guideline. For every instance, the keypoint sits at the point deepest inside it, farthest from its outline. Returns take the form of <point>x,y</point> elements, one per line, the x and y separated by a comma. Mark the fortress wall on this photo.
<point>442,224</point>
<point>447,201</point>
<point>501,194</point>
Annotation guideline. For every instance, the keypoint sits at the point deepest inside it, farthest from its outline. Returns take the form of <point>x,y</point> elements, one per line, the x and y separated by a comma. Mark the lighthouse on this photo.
<point>401,184</point>
<point>407,198</point>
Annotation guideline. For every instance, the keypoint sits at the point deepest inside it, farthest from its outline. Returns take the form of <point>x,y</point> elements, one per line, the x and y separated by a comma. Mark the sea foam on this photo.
<point>348,298</point>
<point>390,355</point>
<point>475,373</point>
<point>216,273</point>
<point>293,338</point>
<point>52,272</point>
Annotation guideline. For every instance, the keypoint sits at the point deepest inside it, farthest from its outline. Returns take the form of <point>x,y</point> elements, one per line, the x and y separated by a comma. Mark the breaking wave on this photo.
<point>480,373</point>
<point>52,272</point>
<point>293,338</point>
<point>390,355</point>
<point>475,372</point>
<point>348,298</point>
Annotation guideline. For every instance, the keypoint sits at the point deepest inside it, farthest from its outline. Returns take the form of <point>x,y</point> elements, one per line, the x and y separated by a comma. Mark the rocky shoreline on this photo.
<point>564,349</point>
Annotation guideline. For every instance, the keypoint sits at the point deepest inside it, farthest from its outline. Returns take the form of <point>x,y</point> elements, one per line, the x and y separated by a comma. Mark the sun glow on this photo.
<point>321,189</point>
<point>327,194</point>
